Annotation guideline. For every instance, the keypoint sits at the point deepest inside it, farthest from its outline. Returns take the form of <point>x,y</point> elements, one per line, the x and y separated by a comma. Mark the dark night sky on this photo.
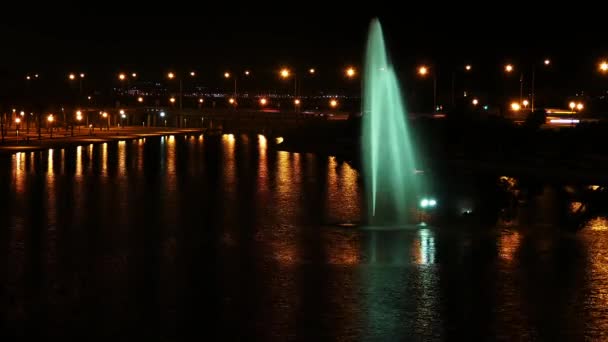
<point>326,38</point>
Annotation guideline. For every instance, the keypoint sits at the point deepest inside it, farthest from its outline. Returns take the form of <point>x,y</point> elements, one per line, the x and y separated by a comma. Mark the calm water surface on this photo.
<point>227,238</point>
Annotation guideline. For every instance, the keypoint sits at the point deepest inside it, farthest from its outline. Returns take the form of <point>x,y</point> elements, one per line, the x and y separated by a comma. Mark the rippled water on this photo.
<point>228,237</point>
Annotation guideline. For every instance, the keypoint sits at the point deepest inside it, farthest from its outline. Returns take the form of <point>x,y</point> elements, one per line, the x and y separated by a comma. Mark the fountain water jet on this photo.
<point>389,161</point>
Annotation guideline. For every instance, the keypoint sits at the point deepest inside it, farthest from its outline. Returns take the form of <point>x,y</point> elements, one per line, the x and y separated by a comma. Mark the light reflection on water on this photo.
<point>151,227</point>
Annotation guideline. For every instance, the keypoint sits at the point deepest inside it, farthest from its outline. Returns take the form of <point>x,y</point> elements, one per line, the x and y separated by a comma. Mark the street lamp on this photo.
<point>509,68</point>
<point>140,99</point>
<point>17,122</point>
<point>579,106</point>
<point>475,102</point>
<point>333,103</point>
<point>515,106</point>
<point>122,117</point>
<point>603,66</point>
<point>350,72</point>
<point>171,75</point>
<point>263,101</point>
<point>525,103</point>
<point>50,120</point>
<point>311,71</point>
<point>423,71</point>
<point>285,74</point>
<point>227,76</point>
<point>467,68</point>
<point>296,104</point>
<point>546,63</point>
<point>73,76</point>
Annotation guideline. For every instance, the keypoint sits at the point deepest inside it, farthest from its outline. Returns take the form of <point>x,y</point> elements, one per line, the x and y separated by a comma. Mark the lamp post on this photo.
<point>546,63</point>
<point>80,77</point>
<point>467,68</point>
<point>122,117</point>
<point>79,119</point>
<point>285,74</point>
<point>423,71</point>
<point>17,122</point>
<point>227,75</point>
<point>50,120</point>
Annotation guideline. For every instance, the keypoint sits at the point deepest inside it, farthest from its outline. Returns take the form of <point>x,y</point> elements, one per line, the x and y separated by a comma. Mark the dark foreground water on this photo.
<point>225,238</point>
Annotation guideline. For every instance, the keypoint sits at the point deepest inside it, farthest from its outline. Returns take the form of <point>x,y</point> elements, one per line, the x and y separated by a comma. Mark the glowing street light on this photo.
<point>296,102</point>
<point>547,61</point>
<point>122,76</point>
<point>579,106</point>
<point>525,103</point>
<point>226,75</point>
<point>200,100</point>
<point>192,73</point>
<point>17,120</point>
<point>350,72</point>
<point>311,71</point>
<point>333,103</point>
<point>285,73</point>
<point>263,101</point>
<point>247,72</point>
<point>104,114</point>
<point>515,106</point>
<point>231,101</point>
<point>475,102</point>
<point>170,75</point>
<point>423,71</point>
<point>140,99</point>
<point>604,66</point>
<point>134,75</point>
<point>72,76</point>
<point>50,120</point>
<point>509,68</point>
<point>572,105</point>
<point>468,67</point>
<point>172,100</point>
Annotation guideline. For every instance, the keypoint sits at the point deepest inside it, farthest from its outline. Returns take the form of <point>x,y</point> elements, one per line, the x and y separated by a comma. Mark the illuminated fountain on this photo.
<point>389,159</point>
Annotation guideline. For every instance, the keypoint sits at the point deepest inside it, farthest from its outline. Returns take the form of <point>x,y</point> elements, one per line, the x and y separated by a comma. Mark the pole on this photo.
<point>453,82</point>
<point>521,87</point>
<point>533,80</point>
<point>180,94</point>
<point>434,92</point>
